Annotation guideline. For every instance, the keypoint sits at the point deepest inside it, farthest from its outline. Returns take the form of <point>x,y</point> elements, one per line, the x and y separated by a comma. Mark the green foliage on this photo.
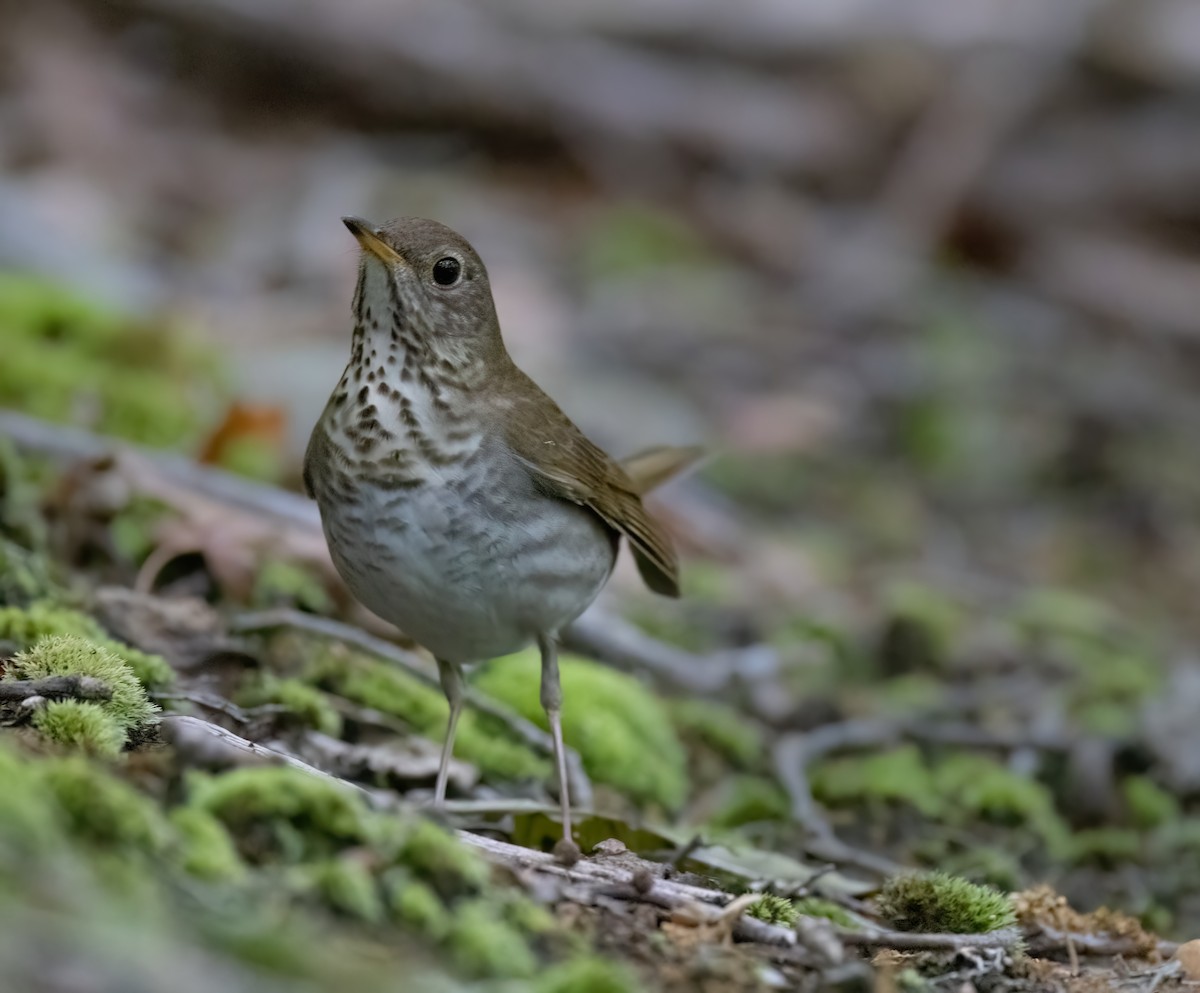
<point>44,618</point>
<point>67,656</point>
<point>81,726</point>
<point>483,944</point>
<point>64,354</point>
<point>588,974</point>
<point>774,910</point>
<point>305,702</point>
<point>202,846</point>
<point>279,813</point>
<point>281,583</point>
<point>99,808</point>
<point>938,902</point>
<point>721,728</point>
<point>385,688</point>
<point>619,727</point>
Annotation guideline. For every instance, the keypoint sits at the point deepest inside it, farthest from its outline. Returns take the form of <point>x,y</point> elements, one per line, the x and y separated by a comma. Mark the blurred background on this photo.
<point>924,277</point>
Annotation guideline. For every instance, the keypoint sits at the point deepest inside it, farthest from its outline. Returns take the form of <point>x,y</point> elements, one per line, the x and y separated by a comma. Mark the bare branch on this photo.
<point>56,688</point>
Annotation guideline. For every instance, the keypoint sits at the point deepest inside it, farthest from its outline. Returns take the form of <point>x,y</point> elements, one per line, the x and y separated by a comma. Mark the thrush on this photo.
<point>458,501</point>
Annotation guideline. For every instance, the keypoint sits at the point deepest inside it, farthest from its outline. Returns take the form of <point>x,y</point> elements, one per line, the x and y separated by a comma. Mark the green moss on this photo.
<point>588,974</point>
<point>957,790</point>
<point>899,775</point>
<point>484,945</point>
<point>814,906</point>
<point>416,905</point>
<point>1114,664</point>
<point>281,583</point>
<point>29,819</point>
<point>25,575</point>
<point>721,728</point>
<point>976,786</point>
<point>619,727</point>
<point>1107,846</point>
<point>346,885</point>
<point>280,813</point>
<point>1149,805</point>
<point>97,807</point>
<point>63,354</point>
<point>922,624</point>
<point>749,800</point>
<point>81,726</point>
<point>434,855</point>
<point>43,618</point>
<point>774,910</point>
<point>63,656</point>
<point>480,740</point>
<point>937,902</point>
<point>202,846</point>
<point>305,702</point>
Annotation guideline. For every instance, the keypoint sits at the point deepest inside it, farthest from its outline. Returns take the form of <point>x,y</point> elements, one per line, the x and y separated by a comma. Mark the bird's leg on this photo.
<point>552,704</point>
<point>452,685</point>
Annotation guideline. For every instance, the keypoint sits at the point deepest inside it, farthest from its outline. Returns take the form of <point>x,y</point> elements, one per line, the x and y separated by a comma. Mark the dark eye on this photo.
<point>446,271</point>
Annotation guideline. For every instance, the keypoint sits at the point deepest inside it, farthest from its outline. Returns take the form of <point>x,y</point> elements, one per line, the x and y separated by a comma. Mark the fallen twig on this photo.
<point>911,941</point>
<point>55,687</point>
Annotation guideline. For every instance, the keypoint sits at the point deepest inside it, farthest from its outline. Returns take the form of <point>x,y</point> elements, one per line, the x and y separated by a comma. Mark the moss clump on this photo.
<point>44,618</point>
<point>81,726</point>
<point>1149,805</point>
<point>70,656</point>
<point>306,703</point>
<point>99,808</point>
<point>921,626</point>
<point>346,885</point>
<point>416,905</point>
<point>774,910</point>
<point>434,855</point>
<point>282,814</point>
<point>64,354</point>
<point>622,732</point>
<point>485,945</point>
<point>385,688</point>
<point>814,906</point>
<point>938,902</point>
<point>29,820</point>
<point>956,790</point>
<point>588,974</point>
<point>721,728</point>
<point>202,846</point>
<point>287,584</point>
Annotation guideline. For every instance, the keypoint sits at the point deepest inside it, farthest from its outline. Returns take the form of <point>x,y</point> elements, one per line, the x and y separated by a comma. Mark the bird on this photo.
<point>458,501</point>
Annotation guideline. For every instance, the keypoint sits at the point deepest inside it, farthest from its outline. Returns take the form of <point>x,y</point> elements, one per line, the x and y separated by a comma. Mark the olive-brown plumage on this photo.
<point>459,502</point>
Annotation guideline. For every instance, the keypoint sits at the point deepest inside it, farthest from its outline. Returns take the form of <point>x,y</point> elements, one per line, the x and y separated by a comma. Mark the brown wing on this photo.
<point>565,464</point>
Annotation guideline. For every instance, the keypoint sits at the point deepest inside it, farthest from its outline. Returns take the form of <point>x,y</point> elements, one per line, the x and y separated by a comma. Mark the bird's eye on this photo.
<point>446,271</point>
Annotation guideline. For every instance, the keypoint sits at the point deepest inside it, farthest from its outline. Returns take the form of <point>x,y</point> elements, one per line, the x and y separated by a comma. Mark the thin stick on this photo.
<point>55,687</point>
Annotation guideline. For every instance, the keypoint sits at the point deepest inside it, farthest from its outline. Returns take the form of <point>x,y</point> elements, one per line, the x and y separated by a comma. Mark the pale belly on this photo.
<point>469,578</point>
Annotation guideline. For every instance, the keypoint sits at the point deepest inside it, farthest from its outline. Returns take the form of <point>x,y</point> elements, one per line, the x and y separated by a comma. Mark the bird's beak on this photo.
<point>368,237</point>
